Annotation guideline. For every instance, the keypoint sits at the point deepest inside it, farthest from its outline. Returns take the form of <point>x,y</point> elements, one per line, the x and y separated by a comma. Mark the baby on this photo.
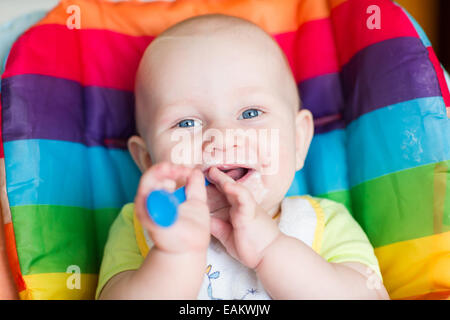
<point>211,80</point>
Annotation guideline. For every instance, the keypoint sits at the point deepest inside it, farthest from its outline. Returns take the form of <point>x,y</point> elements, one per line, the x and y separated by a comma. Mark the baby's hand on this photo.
<point>250,231</point>
<point>191,231</point>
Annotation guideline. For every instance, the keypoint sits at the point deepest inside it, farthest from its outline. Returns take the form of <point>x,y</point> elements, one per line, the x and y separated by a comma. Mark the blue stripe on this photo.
<point>299,186</point>
<point>325,168</point>
<point>398,137</point>
<point>69,174</point>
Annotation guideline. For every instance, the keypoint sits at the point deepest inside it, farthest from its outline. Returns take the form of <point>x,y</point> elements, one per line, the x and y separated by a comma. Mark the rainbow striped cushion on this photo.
<point>381,143</point>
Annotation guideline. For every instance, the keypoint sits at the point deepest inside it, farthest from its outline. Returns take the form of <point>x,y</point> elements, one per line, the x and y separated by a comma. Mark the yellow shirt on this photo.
<point>337,237</point>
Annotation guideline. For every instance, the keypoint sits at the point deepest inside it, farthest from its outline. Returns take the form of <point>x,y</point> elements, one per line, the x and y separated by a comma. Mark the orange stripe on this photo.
<point>11,252</point>
<point>139,18</point>
<point>335,3</point>
<point>440,295</point>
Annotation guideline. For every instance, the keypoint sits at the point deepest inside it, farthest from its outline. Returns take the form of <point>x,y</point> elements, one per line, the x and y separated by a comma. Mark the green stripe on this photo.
<point>342,197</point>
<point>446,214</point>
<point>397,206</point>
<point>51,238</point>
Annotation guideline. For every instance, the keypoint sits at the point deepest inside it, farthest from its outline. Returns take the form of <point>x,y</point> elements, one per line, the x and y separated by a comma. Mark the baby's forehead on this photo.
<point>229,34</point>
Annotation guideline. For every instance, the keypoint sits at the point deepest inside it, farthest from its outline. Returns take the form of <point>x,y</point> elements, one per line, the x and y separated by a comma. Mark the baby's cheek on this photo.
<point>277,153</point>
<point>177,152</point>
<point>279,170</point>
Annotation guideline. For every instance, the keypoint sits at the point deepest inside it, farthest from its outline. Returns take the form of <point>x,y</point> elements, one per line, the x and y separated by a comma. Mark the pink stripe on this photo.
<point>440,76</point>
<point>311,50</point>
<point>108,59</point>
<point>351,31</point>
<point>2,155</point>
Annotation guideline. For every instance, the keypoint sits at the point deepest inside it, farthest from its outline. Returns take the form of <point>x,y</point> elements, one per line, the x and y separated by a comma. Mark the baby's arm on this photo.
<point>161,276</point>
<point>174,266</point>
<point>289,269</point>
<point>286,266</point>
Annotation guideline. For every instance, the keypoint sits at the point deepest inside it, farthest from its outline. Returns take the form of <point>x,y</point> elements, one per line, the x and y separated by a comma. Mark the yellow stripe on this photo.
<point>416,267</point>
<point>320,224</point>
<point>54,286</point>
<point>140,238</point>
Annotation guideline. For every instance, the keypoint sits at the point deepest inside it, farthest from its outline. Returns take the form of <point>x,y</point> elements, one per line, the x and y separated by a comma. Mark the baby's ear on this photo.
<point>304,131</point>
<point>139,153</point>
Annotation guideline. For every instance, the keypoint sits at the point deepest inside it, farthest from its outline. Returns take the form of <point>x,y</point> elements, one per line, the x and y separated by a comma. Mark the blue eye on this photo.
<point>250,113</point>
<point>188,123</point>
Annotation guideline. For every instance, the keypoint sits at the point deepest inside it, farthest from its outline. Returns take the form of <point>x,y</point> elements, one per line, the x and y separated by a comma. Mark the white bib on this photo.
<point>227,279</point>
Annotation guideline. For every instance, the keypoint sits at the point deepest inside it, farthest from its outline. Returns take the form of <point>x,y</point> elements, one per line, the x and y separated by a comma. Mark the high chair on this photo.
<point>364,68</point>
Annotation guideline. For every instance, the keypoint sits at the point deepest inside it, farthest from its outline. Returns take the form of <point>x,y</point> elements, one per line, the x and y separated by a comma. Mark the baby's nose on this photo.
<point>229,145</point>
<point>219,140</point>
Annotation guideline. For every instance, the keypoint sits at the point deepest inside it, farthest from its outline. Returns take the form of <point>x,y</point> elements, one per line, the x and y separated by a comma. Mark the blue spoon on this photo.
<point>162,206</point>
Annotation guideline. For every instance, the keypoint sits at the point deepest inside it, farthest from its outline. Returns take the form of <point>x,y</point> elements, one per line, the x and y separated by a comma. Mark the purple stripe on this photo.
<point>322,95</point>
<point>387,73</point>
<point>43,107</point>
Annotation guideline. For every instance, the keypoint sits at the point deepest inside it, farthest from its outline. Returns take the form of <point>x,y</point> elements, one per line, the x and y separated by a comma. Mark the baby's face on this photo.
<point>222,103</point>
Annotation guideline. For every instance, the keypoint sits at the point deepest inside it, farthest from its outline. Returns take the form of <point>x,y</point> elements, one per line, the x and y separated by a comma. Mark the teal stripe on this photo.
<point>326,163</point>
<point>49,172</point>
<point>325,168</point>
<point>398,137</point>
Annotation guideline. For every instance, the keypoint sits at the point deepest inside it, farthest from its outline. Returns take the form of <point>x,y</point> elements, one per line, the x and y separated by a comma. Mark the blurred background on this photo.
<point>432,15</point>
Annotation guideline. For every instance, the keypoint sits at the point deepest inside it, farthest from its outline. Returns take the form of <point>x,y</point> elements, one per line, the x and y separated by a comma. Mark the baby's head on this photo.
<point>210,79</point>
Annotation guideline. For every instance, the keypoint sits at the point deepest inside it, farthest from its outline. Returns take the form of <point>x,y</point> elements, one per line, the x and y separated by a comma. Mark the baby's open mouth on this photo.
<point>238,174</point>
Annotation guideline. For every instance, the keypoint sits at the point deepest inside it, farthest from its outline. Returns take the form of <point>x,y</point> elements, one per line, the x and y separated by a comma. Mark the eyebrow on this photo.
<point>251,89</point>
<point>239,92</point>
<point>257,90</point>
<point>182,102</point>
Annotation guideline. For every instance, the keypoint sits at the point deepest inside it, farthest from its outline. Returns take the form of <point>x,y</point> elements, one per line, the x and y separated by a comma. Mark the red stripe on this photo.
<point>351,31</point>
<point>108,59</point>
<point>311,50</point>
<point>13,259</point>
<point>440,295</point>
<point>440,76</point>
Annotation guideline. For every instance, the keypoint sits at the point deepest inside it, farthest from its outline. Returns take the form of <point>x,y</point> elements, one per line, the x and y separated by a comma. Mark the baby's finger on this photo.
<point>163,171</point>
<point>222,231</point>
<point>163,175</point>
<point>216,199</point>
<point>240,198</point>
<point>218,178</point>
<point>195,186</point>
